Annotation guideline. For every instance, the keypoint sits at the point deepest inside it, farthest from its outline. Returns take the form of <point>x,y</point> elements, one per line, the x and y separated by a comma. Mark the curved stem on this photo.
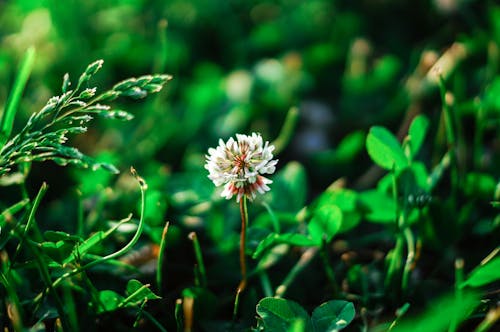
<point>126,248</point>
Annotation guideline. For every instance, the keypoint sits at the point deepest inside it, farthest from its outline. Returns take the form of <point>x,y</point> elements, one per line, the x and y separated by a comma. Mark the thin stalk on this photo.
<point>80,226</point>
<point>162,54</point>
<point>330,274</point>
<point>304,260</point>
<point>459,278</point>
<point>243,264</point>
<point>178,315</point>
<point>187,308</point>
<point>399,313</point>
<point>154,321</point>
<point>286,131</point>
<point>161,258</point>
<point>199,258</point>
<point>267,288</point>
<point>410,244</point>
<point>395,260</point>
<point>450,135</point>
<point>127,247</point>
<point>31,218</point>
<point>478,137</point>
<point>274,220</point>
<point>11,299</point>
<point>7,120</point>
<point>489,321</point>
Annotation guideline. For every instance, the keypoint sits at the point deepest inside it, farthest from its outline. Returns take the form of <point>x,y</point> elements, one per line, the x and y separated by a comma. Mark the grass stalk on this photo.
<point>161,258</point>
<point>410,258</point>
<point>330,274</point>
<point>287,130</point>
<point>31,218</point>
<point>7,120</point>
<point>125,249</point>
<point>304,260</point>
<point>199,259</point>
<point>459,278</point>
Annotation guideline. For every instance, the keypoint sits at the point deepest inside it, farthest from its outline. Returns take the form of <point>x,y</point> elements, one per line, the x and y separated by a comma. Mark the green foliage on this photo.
<point>386,193</point>
<point>47,131</point>
<point>385,149</point>
<point>449,308</point>
<point>484,274</point>
<point>278,314</point>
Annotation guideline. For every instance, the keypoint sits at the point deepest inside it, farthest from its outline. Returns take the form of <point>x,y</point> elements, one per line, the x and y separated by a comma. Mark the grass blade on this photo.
<point>7,120</point>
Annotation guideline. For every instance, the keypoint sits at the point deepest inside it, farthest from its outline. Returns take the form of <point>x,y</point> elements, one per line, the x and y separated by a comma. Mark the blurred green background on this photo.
<point>240,66</point>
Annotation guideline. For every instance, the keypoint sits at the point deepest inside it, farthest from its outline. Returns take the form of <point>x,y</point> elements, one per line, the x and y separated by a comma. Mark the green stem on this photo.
<point>178,315</point>
<point>330,274</point>
<point>395,260</point>
<point>130,244</point>
<point>7,120</point>
<point>267,288</point>
<point>459,278</point>
<point>31,218</point>
<point>450,136</point>
<point>243,264</point>
<point>410,243</point>
<point>12,297</point>
<point>287,130</point>
<point>304,260</point>
<point>161,258</point>
<point>274,220</point>
<point>199,258</point>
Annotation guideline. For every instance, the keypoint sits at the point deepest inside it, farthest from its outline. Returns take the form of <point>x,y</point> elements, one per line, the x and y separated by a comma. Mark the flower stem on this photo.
<point>243,264</point>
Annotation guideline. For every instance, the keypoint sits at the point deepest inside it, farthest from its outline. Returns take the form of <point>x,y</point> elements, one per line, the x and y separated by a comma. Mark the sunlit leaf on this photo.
<point>108,301</point>
<point>439,316</point>
<point>384,149</point>
<point>279,315</point>
<point>417,133</point>
<point>325,223</point>
<point>484,274</point>
<point>332,316</point>
<point>380,207</point>
<point>294,239</point>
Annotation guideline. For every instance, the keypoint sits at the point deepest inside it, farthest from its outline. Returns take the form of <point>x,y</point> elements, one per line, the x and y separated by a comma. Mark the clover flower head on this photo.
<point>239,165</point>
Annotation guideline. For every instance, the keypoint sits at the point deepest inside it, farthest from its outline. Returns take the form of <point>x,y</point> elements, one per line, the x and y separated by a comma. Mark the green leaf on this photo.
<point>484,274</point>
<point>137,293</point>
<point>440,315</point>
<point>332,316</point>
<point>381,208</point>
<point>280,315</point>
<point>384,149</point>
<point>108,301</point>
<point>7,120</point>
<point>81,249</point>
<point>347,201</point>
<point>350,146</point>
<point>482,185</point>
<point>58,251</point>
<point>273,239</point>
<point>54,236</point>
<point>325,223</point>
<point>418,130</point>
<point>290,182</point>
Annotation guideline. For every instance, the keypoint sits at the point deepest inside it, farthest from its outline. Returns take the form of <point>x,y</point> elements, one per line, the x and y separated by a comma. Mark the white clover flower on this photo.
<point>239,165</point>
